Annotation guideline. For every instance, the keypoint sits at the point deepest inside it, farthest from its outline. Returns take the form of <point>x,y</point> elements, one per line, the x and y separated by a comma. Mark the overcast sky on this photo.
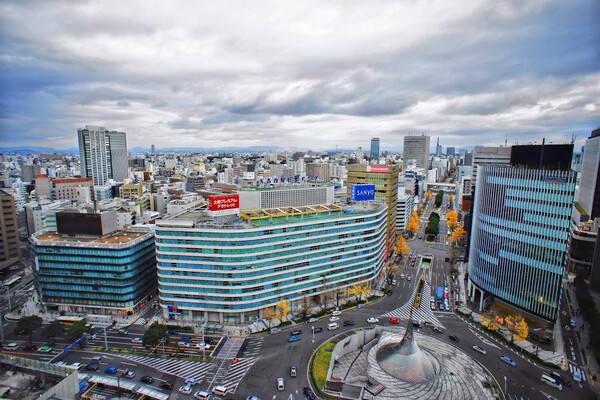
<point>298,73</point>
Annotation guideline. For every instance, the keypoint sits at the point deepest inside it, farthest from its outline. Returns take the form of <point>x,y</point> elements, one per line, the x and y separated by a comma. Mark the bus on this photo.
<point>9,282</point>
<point>68,321</point>
<point>440,294</point>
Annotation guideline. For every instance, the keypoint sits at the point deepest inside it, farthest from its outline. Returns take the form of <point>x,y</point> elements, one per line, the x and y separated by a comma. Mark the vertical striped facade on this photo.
<point>520,235</point>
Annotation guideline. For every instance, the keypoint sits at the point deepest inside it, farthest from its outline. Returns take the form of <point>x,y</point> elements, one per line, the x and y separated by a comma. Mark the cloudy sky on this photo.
<point>299,74</point>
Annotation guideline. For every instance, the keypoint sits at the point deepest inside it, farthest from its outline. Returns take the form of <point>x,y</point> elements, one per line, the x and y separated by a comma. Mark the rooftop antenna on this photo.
<point>505,139</point>
<point>573,138</point>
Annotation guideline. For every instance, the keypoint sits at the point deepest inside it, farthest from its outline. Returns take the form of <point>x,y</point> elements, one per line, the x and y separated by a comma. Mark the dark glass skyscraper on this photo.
<point>103,154</point>
<point>375,148</point>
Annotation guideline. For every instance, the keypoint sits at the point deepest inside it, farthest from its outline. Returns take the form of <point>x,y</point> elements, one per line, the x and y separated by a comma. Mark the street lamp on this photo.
<point>313,334</point>
<point>505,384</point>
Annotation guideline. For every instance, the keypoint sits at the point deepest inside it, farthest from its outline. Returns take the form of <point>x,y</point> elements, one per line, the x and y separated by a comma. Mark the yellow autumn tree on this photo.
<point>428,195</point>
<point>361,289</point>
<point>401,247</point>
<point>450,198</point>
<point>283,309</point>
<point>413,224</point>
<point>491,325</point>
<point>458,236</point>
<point>269,314</point>
<point>452,217</point>
<point>517,326</point>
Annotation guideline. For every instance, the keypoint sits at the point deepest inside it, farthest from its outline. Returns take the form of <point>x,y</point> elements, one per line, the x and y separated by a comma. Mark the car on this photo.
<point>441,306</point>
<point>394,282</point>
<point>313,319</point>
<point>92,367</point>
<point>185,389</point>
<point>296,332</point>
<point>310,395</point>
<point>203,346</point>
<point>294,338</point>
<point>166,385</point>
<point>252,398</point>
<point>147,379</point>
<point>191,381</point>
<point>96,359</point>
<point>172,332</point>
<point>509,361</point>
<point>186,339</point>
<point>560,378</point>
<point>129,374</point>
<point>31,348</point>
<point>394,321</point>
<point>360,305</point>
<point>432,305</point>
<point>77,365</point>
<point>333,318</point>
<point>181,343</point>
<point>280,384</point>
<point>349,323</point>
<point>293,371</point>
<point>401,276</point>
<point>573,323</point>
<point>111,370</point>
<point>318,329</point>
<point>480,349</point>
<point>429,324</point>
<point>202,395</point>
<point>336,312</point>
<point>275,330</point>
<point>438,330</point>
<point>123,332</point>
<point>61,363</point>
<point>372,320</point>
<point>454,337</point>
<point>45,349</point>
<point>408,278</point>
<point>136,340</point>
<point>416,324</point>
<point>576,375</point>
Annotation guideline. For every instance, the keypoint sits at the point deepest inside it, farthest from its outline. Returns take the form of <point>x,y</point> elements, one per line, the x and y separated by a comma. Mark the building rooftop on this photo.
<point>117,239</point>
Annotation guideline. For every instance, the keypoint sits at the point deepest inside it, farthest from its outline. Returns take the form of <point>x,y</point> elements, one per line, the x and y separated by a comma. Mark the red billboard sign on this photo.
<point>380,168</point>
<point>223,202</point>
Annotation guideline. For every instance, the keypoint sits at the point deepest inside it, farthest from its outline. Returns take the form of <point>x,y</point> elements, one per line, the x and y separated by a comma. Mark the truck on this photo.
<point>440,293</point>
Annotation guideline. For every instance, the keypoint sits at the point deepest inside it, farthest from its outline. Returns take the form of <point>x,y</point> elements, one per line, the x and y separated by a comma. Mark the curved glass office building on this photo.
<point>520,235</point>
<point>231,269</point>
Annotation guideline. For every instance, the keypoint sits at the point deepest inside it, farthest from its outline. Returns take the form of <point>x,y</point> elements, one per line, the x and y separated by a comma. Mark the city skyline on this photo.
<point>271,74</point>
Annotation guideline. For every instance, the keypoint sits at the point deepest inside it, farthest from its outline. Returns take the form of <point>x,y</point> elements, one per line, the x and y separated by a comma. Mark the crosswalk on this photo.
<point>231,347</point>
<point>181,368</point>
<point>422,314</point>
<point>141,321</point>
<point>573,368</point>
<point>254,346</point>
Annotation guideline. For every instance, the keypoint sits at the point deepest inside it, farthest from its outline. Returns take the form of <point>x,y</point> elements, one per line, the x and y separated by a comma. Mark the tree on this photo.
<point>420,210</point>
<point>269,314</point>
<point>433,226</point>
<point>360,289</point>
<point>450,199</point>
<point>413,224</point>
<point>284,309</point>
<point>517,326</point>
<point>491,325</point>
<point>401,246</point>
<point>54,329</point>
<point>155,334</point>
<point>77,330</point>
<point>452,217</point>
<point>27,325</point>
<point>390,270</point>
<point>439,199</point>
<point>428,194</point>
<point>459,236</point>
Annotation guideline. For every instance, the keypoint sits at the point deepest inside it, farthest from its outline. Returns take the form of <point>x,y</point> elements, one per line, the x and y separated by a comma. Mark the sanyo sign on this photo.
<point>363,192</point>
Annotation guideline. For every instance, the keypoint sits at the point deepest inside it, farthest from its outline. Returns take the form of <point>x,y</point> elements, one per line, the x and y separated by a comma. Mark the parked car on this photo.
<point>394,282</point>
<point>203,346</point>
<point>296,332</point>
<point>509,361</point>
<point>33,347</point>
<point>275,330</point>
<point>294,338</point>
<point>313,319</point>
<point>181,343</point>
<point>394,321</point>
<point>111,370</point>
<point>293,371</point>
<point>45,349</point>
<point>191,381</point>
<point>166,385</point>
<point>147,379</point>
<point>333,318</point>
<point>479,349</point>
<point>318,329</point>
<point>136,340</point>
<point>372,320</point>
<point>172,332</point>
<point>202,395</point>
<point>310,395</point>
<point>336,312</point>
<point>454,337</point>
<point>185,389</point>
<point>280,384</point>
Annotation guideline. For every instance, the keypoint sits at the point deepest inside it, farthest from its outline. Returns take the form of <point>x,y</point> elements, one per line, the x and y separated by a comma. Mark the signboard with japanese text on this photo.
<point>224,204</point>
<point>378,168</point>
<point>362,192</point>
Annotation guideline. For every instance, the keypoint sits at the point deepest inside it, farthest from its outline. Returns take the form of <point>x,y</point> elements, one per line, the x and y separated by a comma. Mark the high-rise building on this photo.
<point>103,154</point>
<point>451,151</point>
<point>385,179</point>
<point>520,232</point>
<point>9,228</point>
<point>405,209</point>
<point>152,149</point>
<point>320,170</point>
<point>438,148</point>
<point>483,155</point>
<point>416,148</point>
<point>589,183</point>
<point>29,171</point>
<point>374,149</point>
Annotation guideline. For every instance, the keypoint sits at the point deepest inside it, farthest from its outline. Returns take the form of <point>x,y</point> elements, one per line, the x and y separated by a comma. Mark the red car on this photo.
<point>394,321</point>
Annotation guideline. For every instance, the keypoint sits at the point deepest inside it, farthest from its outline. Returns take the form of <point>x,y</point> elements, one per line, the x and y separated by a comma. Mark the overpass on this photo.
<point>441,185</point>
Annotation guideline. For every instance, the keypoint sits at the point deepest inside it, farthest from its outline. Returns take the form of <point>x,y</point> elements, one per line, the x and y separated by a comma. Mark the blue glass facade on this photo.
<point>224,273</point>
<point>110,275</point>
<point>520,236</point>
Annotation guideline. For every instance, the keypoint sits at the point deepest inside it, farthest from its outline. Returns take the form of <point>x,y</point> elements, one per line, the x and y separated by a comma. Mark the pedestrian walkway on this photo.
<point>181,368</point>
<point>140,321</point>
<point>254,346</point>
<point>422,314</point>
<point>231,347</point>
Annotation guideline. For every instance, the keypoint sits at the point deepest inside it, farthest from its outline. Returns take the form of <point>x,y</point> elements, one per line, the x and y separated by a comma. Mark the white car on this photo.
<point>183,344</point>
<point>185,389</point>
<point>204,346</point>
<point>313,319</point>
<point>333,318</point>
<point>372,320</point>
<point>280,385</point>
<point>136,340</point>
<point>336,312</point>
<point>394,282</point>
<point>202,395</point>
<point>479,349</point>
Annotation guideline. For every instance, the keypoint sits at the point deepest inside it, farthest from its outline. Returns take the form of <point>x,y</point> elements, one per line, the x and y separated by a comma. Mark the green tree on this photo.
<point>27,325</point>
<point>155,334</point>
<point>77,330</point>
<point>439,199</point>
<point>54,329</point>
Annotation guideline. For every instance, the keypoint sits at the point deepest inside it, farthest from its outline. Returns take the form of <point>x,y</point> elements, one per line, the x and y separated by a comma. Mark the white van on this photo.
<point>220,390</point>
<point>332,326</point>
<point>548,380</point>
